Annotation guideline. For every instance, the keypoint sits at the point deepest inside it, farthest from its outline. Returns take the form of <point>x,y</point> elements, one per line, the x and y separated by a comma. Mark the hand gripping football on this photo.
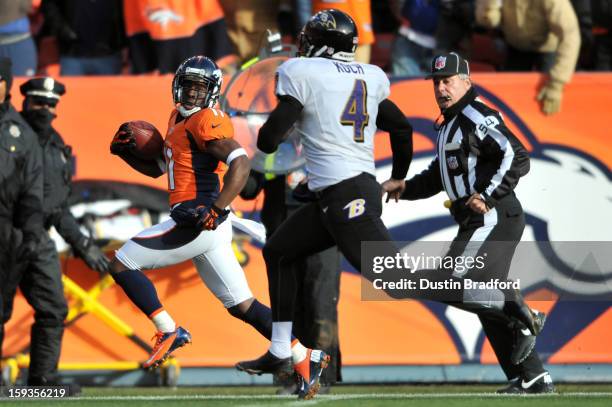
<point>149,141</point>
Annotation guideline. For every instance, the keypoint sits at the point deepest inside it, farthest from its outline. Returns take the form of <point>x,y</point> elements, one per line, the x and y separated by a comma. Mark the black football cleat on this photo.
<point>268,363</point>
<point>541,384</point>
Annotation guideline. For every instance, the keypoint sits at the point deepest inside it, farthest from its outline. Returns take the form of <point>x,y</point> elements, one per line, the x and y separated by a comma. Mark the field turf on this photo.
<point>401,395</point>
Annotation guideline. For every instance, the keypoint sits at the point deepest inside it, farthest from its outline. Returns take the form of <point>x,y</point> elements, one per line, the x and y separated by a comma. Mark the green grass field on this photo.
<point>417,396</point>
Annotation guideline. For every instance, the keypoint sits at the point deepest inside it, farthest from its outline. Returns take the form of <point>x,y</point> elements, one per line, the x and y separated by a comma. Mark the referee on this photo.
<point>478,164</point>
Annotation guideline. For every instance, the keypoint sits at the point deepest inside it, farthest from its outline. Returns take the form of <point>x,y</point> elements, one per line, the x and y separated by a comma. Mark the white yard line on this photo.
<point>332,397</point>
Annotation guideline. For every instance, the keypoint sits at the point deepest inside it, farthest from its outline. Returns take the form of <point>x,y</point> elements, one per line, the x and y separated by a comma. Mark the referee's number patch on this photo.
<point>355,208</point>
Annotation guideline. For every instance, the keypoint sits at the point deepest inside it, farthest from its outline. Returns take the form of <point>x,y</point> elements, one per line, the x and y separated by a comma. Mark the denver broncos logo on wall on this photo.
<point>567,197</point>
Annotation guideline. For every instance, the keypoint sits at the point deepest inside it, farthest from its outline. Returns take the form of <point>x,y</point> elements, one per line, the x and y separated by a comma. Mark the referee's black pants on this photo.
<point>497,234</point>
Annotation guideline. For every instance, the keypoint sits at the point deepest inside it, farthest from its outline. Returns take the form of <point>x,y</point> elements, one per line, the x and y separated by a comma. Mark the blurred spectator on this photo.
<point>602,30</point>
<point>247,23</point>
<point>90,35</point>
<point>386,21</point>
<point>455,21</point>
<point>361,13</point>
<point>582,8</point>
<point>163,33</point>
<point>292,16</point>
<point>16,41</point>
<point>302,10</point>
<point>415,43</point>
<point>541,34</point>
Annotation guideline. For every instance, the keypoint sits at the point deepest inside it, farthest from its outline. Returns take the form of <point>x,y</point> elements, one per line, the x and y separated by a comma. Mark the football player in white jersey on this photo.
<point>335,105</point>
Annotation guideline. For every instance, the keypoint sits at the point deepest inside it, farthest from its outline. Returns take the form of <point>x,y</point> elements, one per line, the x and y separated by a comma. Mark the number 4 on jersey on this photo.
<point>356,112</point>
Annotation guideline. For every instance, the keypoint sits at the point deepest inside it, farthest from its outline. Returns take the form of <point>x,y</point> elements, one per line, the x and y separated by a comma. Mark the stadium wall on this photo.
<point>567,197</point>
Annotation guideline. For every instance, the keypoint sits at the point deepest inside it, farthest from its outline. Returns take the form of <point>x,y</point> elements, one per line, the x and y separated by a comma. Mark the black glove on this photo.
<point>92,256</point>
<point>253,186</point>
<point>210,217</point>
<point>27,251</point>
<point>123,141</point>
<point>301,193</point>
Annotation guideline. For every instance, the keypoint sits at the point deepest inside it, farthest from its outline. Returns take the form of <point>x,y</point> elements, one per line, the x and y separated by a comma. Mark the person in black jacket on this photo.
<point>90,35</point>
<point>21,221</point>
<point>602,31</point>
<point>478,163</point>
<point>41,277</point>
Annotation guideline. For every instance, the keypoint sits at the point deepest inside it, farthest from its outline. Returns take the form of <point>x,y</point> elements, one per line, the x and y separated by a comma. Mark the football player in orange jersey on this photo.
<point>199,144</point>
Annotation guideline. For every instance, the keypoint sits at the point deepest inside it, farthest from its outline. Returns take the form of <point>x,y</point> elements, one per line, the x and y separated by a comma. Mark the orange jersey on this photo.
<point>193,173</point>
<point>358,9</point>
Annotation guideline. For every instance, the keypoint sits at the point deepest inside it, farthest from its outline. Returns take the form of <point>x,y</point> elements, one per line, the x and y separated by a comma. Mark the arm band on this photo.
<point>235,154</point>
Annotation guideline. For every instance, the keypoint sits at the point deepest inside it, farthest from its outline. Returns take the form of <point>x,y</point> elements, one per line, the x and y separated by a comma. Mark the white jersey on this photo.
<point>338,122</point>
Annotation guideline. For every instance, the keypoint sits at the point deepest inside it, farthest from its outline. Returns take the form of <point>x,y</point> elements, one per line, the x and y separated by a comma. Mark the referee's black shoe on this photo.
<point>268,363</point>
<point>523,341</point>
<point>541,384</point>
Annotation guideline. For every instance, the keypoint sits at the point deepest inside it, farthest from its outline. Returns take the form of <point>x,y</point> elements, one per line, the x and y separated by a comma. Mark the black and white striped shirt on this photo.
<point>475,153</point>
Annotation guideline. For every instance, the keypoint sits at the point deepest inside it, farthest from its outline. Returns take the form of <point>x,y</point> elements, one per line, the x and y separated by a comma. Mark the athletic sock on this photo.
<point>259,316</point>
<point>139,289</point>
<point>163,321</point>
<point>298,351</point>
<point>280,345</point>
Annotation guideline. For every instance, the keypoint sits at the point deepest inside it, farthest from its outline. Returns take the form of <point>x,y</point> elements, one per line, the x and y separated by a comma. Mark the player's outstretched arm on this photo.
<point>150,168</point>
<point>391,119</point>
<point>275,129</point>
<point>231,153</point>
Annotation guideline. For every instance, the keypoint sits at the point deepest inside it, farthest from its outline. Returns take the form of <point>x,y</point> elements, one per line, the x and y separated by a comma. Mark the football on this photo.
<point>149,141</point>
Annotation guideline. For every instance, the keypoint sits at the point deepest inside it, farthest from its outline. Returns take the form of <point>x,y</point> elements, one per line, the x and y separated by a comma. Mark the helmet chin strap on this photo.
<point>344,56</point>
<point>339,56</point>
<point>187,112</point>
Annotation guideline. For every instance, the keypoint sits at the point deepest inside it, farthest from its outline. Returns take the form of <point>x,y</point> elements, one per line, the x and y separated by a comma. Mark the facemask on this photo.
<point>40,120</point>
